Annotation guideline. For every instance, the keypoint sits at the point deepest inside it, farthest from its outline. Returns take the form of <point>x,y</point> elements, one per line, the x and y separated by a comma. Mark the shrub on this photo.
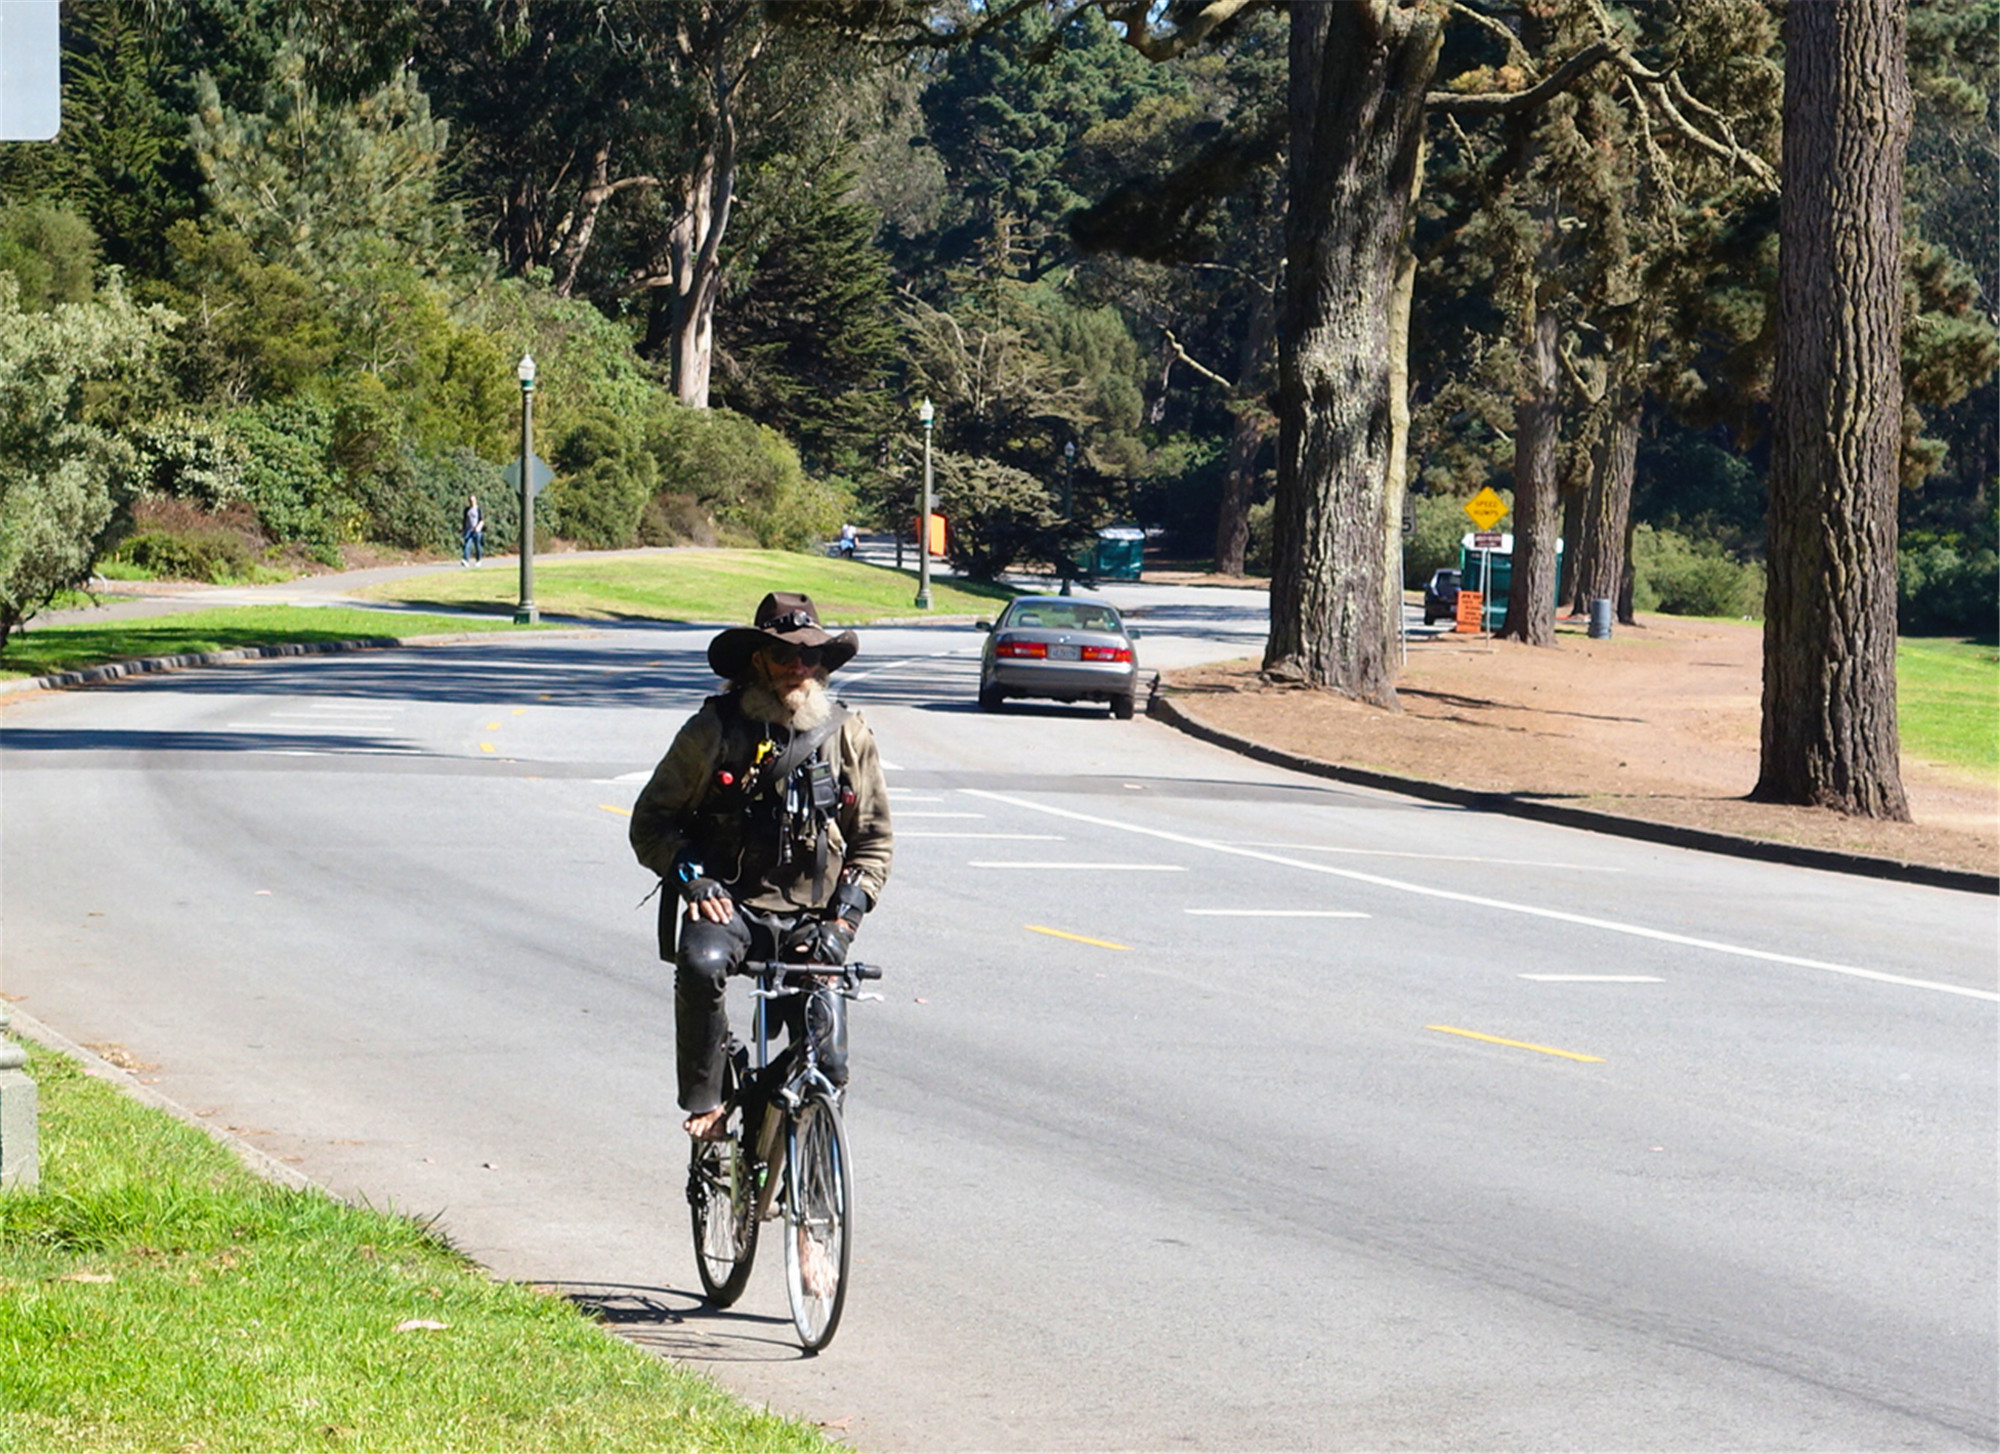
<point>997,513</point>
<point>1683,577</point>
<point>747,475</point>
<point>176,540</point>
<point>447,478</point>
<point>288,476</point>
<point>1947,585</point>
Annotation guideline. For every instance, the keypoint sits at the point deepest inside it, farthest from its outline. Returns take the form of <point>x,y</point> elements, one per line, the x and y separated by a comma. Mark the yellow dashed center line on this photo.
<point>1079,938</point>
<point>487,747</point>
<point>621,812</point>
<point>1516,1044</point>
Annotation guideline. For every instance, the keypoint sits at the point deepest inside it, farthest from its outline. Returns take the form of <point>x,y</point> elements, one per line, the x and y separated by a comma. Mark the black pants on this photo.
<point>708,955</point>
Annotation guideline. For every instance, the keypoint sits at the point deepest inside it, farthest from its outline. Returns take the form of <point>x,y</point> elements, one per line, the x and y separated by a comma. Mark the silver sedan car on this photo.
<point>1069,648</point>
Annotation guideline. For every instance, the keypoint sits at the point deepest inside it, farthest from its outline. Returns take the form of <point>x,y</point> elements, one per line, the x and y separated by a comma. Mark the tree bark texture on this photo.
<point>1358,73</point>
<point>1597,553</point>
<point>1829,724</point>
<point>1246,442</point>
<point>1531,594</point>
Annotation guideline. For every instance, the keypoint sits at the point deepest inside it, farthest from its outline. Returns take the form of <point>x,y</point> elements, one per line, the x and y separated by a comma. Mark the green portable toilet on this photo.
<point>1121,551</point>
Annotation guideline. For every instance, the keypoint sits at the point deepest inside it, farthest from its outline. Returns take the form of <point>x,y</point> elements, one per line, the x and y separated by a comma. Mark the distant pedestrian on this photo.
<point>847,541</point>
<point>475,533</point>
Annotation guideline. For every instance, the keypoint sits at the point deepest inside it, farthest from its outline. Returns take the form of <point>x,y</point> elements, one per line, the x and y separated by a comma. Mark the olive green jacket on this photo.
<point>692,807</point>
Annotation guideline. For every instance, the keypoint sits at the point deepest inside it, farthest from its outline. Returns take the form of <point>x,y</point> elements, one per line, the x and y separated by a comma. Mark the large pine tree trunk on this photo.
<point>1829,730</point>
<point>1358,72</point>
<point>1598,551</point>
<point>1531,595</point>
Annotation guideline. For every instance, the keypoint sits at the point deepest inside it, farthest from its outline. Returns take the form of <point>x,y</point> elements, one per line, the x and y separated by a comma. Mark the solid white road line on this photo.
<point>1101,867</point>
<point>1534,911</point>
<point>1281,913</point>
<point>1593,978</point>
<point>1432,857</point>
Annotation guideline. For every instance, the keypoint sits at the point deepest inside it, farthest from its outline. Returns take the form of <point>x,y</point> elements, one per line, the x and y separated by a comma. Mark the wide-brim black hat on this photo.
<point>786,616</point>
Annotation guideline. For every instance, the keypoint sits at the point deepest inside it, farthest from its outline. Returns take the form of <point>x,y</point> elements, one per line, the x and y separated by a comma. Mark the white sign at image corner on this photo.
<point>30,70</point>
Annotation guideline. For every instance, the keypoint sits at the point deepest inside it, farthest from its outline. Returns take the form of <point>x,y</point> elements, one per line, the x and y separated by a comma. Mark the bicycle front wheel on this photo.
<point>722,1196</point>
<point>818,1202</point>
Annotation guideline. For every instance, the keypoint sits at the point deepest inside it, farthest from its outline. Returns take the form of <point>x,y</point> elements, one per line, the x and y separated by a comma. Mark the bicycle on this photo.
<point>783,1154</point>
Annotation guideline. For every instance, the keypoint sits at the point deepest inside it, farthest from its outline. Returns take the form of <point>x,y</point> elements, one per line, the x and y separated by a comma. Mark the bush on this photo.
<point>746,475</point>
<point>1683,577</point>
<point>288,477</point>
<point>997,513</point>
<point>445,481</point>
<point>176,540</point>
<point>1947,585</point>
<point>675,520</point>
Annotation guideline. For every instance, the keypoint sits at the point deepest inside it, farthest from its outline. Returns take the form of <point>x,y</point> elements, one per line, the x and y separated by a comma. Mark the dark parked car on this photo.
<point>1441,596</point>
<point>1069,648</point>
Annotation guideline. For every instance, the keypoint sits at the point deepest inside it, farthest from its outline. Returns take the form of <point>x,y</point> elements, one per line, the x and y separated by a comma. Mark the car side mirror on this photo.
<point>984,625</point>
<point>1133,635</point>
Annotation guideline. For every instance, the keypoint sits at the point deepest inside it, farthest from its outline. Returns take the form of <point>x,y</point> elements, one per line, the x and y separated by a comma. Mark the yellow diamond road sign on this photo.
<point>1485,508</point>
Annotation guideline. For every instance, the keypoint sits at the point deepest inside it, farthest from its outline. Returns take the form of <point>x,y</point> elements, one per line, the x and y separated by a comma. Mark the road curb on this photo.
<point>1160,705</point>
<point>96,1066</point>
<point>147,665</point>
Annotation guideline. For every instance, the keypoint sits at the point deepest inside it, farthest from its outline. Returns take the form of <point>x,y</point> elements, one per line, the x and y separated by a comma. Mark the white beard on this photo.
<point>801,709</point>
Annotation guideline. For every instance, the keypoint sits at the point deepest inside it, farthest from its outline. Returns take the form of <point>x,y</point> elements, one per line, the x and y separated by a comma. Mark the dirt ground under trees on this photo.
<point>1660,722</point>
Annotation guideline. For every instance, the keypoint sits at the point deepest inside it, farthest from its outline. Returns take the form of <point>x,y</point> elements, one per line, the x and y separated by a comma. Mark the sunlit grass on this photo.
<point>156,1295</point>
<point>1948,703</point>
<point>696,585</point>
<point>73,646</point>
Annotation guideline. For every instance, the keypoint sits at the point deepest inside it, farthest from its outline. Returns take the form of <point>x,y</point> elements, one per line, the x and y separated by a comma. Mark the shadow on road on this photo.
<point>681,1324</point>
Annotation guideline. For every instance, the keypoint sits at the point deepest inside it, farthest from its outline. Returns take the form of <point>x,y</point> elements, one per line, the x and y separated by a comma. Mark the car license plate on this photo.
<point>1061,652</point>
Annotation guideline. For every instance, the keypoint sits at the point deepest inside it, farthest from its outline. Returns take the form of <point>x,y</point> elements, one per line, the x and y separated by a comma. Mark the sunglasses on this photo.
<point>784,653</point>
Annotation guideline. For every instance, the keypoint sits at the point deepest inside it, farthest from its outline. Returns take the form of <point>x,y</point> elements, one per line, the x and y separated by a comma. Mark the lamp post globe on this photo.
<point>925,412</point>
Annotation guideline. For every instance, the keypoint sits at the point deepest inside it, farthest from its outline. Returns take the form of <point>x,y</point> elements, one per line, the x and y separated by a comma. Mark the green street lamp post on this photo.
<point>1069,507</point>
<point>525,614</point>
<point>926,413</point>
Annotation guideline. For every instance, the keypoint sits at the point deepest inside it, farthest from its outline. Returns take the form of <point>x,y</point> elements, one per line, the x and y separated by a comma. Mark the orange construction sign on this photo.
<point>1471,611</point>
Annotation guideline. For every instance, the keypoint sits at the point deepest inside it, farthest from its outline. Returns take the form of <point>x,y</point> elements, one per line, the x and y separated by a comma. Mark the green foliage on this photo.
<point>996,514</point>
<point>288,475</point>
<point>747,476</point>
<point>605,477</point>
<point>809,338</point>
<point>1684,577</point>
<point>330,189</point>
<point>63,472</point>
<point>175,540</point>
<point>1948,583</point>
<point>183,456</point>
<point>448,478</point>
<point>52,253</point>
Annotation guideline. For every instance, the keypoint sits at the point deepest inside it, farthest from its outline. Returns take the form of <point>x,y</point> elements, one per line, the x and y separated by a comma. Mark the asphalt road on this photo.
<point>1210,1106</point>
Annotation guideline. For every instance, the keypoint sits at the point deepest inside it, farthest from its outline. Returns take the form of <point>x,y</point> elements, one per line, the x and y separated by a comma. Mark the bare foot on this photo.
<point>708,1125</point>
<point>816,1272</point>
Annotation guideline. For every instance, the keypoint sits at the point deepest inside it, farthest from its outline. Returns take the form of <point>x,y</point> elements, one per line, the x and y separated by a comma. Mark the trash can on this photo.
<point>1600,619</point>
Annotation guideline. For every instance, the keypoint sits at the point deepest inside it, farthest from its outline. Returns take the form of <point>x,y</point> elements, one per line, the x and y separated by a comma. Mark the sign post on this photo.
<point>1486,509</point>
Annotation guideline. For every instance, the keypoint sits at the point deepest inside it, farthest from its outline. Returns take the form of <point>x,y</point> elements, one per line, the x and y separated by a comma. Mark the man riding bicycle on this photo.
<point>769,818</point>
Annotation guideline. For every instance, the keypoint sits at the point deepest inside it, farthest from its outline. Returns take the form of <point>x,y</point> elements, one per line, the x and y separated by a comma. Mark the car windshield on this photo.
<point>1063,616</point>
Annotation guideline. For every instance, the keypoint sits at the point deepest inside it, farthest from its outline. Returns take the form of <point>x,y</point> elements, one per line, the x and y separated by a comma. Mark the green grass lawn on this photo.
<point>683,585</point>
<point>72,646</point>
<point>154,1294</point>
<point>696,585</point>
<point>1948,703</point>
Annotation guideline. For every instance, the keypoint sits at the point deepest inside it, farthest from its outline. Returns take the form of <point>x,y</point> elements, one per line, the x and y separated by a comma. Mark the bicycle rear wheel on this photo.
<point>722,1197</point>
<point>818,1202</point>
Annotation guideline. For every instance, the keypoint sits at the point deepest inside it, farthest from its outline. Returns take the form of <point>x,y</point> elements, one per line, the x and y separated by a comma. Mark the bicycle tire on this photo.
<point>818,1204</point>
<point>722,1202</point>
